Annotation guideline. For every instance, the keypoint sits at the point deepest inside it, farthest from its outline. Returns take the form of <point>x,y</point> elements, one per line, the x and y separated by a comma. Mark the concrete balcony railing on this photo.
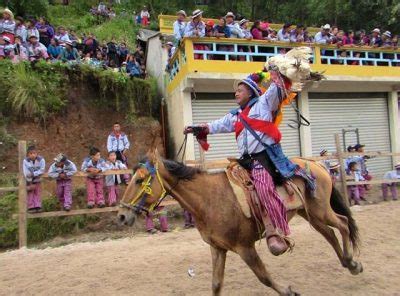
<point>220,55</point>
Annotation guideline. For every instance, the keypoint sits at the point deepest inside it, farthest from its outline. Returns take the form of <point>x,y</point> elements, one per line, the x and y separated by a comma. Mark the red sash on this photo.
<point>266,127</point>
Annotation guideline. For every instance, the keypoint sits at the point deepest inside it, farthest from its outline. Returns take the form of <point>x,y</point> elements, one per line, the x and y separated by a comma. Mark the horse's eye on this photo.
<point>139,181</point>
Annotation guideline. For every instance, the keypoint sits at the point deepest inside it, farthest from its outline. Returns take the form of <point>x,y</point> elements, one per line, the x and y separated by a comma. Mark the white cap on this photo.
<point>327,27</point>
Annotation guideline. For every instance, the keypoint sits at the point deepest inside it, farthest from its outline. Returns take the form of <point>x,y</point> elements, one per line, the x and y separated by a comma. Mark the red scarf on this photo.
<point>268,128</point>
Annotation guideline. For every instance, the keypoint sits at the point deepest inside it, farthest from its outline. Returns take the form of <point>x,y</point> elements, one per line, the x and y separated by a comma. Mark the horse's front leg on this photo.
<point>250,256</point>
<point>218,262</point>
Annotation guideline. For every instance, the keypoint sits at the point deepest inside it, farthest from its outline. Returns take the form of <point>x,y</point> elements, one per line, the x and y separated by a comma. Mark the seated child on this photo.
<point>94,165</point>
<point>112,181</point>
<point>62,169</point>
<point>354,174</point>
<point>392,175</point>
<point>33,168</point>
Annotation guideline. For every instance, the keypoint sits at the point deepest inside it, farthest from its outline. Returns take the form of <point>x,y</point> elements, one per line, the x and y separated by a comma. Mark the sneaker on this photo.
<point>38,210</point>
<point>152,231</point>
<point>90,206</point>
<point>187,226</point>
<point>32,210</point>
<point>113,204</point>
<point>67,209</point>
<point>101,205</point>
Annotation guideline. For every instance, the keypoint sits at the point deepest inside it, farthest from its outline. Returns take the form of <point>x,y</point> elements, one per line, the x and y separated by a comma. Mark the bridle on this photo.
<point>137,203</point>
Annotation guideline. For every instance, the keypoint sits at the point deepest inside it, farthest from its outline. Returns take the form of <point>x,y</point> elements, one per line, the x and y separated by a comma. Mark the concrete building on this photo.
<point>358,100</point>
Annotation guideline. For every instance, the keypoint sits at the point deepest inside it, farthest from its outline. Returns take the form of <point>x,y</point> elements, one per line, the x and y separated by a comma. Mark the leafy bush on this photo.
<point>34,95</point>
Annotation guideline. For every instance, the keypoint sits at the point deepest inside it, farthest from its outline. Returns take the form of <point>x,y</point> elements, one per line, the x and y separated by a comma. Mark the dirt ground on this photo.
<point>158,264</point>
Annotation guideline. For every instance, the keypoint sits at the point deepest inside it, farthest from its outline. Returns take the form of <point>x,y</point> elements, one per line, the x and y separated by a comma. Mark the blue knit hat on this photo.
<point>250,83</point>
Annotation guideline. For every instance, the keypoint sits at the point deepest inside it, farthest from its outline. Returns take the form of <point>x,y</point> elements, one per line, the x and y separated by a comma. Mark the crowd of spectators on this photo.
<point>33,40</point>
<point>230,26</point>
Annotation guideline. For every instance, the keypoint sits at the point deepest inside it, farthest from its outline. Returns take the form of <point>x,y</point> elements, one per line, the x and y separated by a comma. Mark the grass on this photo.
<point>121,27</point>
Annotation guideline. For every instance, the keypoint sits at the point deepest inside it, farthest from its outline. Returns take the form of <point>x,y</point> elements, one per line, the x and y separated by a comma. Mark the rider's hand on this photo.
<point>188,130</point>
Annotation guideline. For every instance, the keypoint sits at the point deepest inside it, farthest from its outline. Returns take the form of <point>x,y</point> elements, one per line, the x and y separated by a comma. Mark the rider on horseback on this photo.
<point>258,137</point>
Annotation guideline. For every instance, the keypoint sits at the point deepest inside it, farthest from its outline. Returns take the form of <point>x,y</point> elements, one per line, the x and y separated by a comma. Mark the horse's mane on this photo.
<point>179,170</point>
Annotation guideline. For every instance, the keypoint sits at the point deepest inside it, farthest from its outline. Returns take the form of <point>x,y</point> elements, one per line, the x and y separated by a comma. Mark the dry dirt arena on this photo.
<point>158,265</point>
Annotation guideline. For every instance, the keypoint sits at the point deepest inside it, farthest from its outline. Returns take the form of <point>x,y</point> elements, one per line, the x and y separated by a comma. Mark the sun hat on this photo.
<point>387,34</point>
<point>196,13</point>
<point>334,165</point>
<point>5,38</point>
<point>376,30</point>
<point>326,27</point>
<point>9,12</point>
<point>243,21</point>
<point>250,83</point>
<point>182,12</point>
<point>230,14</point>
<point>323,151</point>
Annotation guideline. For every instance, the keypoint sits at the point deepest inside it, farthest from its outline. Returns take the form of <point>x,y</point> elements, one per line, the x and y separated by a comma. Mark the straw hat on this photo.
<point>387,34</point>
<point>182,12</point>
<point>334,165</point>
<point>230,14</point>
<point>9,12</point>
<point>376,30</point>
<point>196,13</point>
<point>243,21</point>
<point>323,151</point>
<point>326,27</point>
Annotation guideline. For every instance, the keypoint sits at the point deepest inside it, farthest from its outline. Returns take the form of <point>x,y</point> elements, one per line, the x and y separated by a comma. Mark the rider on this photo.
<point>260,147</point>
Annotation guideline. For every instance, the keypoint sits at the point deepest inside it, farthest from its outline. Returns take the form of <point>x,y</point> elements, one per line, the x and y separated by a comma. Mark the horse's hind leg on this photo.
<point>250,256</point>
<point>341,223</point>
<point>328,233</point>
<point>218,262</point>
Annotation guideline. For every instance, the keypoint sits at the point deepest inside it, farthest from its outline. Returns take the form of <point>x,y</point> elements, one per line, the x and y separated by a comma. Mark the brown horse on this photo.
<point>223,225</point>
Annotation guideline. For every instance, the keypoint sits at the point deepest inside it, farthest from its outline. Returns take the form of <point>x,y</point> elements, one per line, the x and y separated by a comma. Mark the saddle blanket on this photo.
<point>243,187</point>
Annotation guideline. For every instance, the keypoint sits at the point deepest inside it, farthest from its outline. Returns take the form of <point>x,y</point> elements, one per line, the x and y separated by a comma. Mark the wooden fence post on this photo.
<point>22,197</point>
<point>342,168</point>
<point>202,159</point>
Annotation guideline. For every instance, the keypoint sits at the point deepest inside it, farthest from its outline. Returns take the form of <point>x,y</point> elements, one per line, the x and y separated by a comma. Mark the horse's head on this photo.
<point>145,190</point>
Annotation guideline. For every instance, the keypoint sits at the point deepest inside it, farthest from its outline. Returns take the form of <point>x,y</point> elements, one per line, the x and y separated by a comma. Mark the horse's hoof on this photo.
<point>290,292</point>
<point>358,268</point>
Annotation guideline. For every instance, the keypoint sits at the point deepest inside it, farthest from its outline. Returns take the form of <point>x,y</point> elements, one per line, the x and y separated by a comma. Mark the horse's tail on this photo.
<point>340,207</point>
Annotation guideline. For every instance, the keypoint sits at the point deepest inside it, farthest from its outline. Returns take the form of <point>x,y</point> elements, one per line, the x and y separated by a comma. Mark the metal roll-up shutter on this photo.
<point>224,145</point>
<point>332,113</point>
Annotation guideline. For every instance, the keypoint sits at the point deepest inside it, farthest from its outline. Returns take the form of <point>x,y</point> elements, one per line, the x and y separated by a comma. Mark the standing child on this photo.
<point>112,181</point>
<point>33,168</point>
<point>354,174</point>
<point>162,219</point>
<point>94,165</point>
<point>391,175</point>
<point>62,169</point>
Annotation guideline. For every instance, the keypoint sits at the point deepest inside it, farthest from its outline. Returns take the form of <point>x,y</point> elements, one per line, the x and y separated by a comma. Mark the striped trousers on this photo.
<point>269,198</point>
<point>64,192</point>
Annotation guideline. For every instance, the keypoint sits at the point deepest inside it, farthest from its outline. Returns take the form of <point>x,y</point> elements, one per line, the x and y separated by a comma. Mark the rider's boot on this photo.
<point>277,245</point>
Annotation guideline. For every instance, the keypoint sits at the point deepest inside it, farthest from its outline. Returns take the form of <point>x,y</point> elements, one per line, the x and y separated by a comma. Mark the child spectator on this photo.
<point>62,169</point>
<point>334,171</point>
<point>375,40</point>
<point>118,142</point>
<point>209,30</point>
<point>272,36</point>
<point>112,52</point>
<point>353,174</point>
<point>36,50</point>
<point>324,36</point>
<point>234,28</point>
<point>7,25</point>
<point>284,33</point>
<point>33,168</point>
<point>31,29</point>
<point>189,220</point>
<point>20,53</point>
<point>325,162</point>
<point>94,165</point>
<point>90,45</point>
<point>145,17</point>
<point>179,26</point>
<point>391,175</point>
<point>20,29</point>
<point>6,49</point>
<point>162,219</point>
<point>297,34</point>
<point>112,181</point>
<point>195,28</point>
<point>256,31</point>
<point>348,39</point>
<point>244,27</point>
<point>46,32</point>
<point>69,53</point>
<point>123,52</point>
<point>222,30</point>
<point>62,36</point>
<point>133,67</point>
<point>54,50</point>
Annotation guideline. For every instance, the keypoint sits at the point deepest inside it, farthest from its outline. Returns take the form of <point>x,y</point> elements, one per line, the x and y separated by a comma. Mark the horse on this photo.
<point>220,219</point>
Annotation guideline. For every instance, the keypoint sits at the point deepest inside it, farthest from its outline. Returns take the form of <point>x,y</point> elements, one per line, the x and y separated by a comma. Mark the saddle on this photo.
<point>243,187</point>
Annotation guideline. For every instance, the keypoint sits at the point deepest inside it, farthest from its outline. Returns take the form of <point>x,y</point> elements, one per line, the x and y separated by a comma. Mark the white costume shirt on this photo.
<point>263,109</point>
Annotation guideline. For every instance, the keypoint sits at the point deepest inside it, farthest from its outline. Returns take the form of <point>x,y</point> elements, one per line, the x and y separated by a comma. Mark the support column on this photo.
<point>305,131</point>
<point>394,124</point>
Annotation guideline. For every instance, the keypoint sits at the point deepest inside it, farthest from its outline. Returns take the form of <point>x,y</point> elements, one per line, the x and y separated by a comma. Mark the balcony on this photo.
<point>240,56</point>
